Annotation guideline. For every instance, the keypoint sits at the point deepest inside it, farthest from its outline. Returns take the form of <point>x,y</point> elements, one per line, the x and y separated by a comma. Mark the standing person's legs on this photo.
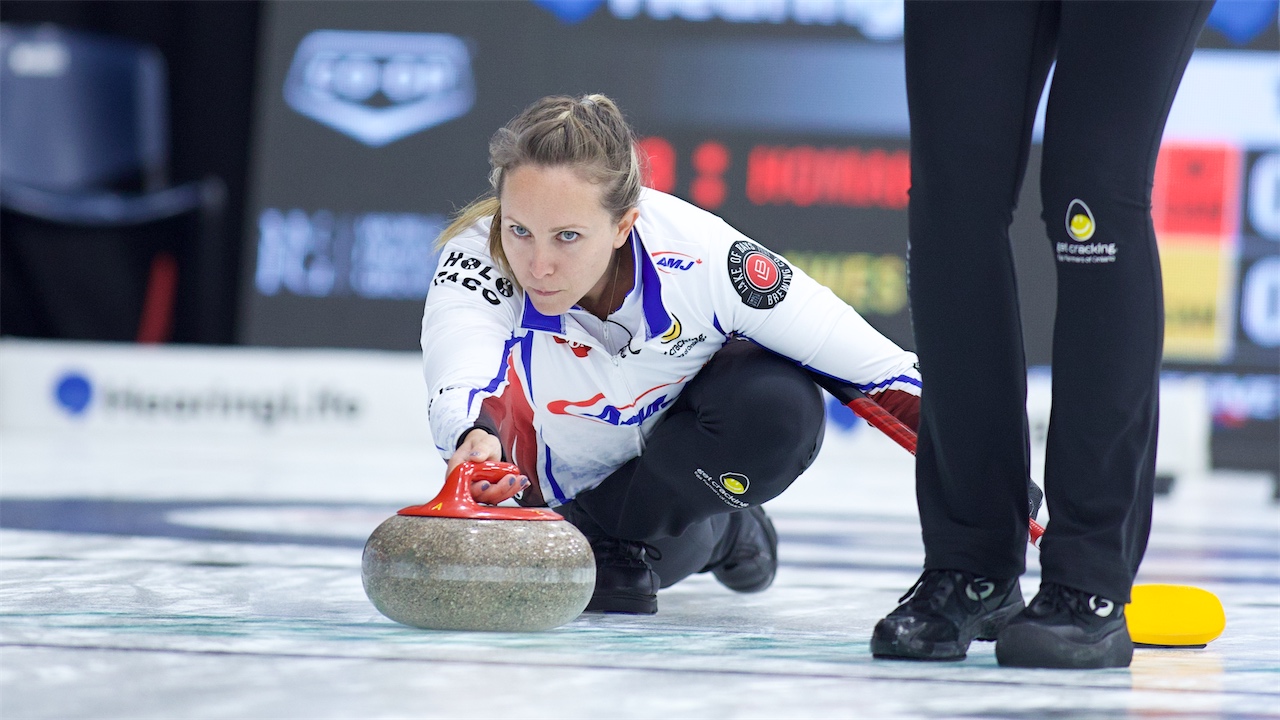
<point>739,434</point>
<point>974,76</point>
<point>1119,66</point>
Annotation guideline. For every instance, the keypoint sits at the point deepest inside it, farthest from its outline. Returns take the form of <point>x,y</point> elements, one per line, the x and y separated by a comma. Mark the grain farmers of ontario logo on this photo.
<point>1081,226</point>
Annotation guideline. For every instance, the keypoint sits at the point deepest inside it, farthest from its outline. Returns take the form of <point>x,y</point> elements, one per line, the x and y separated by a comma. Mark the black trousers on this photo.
<point>741,432</point>
<point>975,73</point>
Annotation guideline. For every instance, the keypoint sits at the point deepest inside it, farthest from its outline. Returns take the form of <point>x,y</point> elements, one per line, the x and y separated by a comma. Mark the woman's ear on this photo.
<point>627,222</point>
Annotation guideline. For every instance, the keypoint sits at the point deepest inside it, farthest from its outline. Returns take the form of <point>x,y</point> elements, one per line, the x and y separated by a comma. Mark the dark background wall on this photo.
<point>211,52</point>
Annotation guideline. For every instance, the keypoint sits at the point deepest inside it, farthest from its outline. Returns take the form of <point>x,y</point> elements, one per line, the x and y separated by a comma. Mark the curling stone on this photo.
<point>454,564</point>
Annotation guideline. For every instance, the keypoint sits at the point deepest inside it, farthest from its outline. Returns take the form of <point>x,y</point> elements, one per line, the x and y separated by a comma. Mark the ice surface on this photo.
<point>221,578</point>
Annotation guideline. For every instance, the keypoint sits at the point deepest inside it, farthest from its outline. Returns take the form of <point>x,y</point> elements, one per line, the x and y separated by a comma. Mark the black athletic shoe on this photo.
<point>1066,628</point>
<point>943,613</point>
<point>752,560</point>
<point>625,583</point>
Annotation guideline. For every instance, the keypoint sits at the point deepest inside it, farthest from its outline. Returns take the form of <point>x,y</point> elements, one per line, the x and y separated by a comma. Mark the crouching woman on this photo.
<point>643,363</point>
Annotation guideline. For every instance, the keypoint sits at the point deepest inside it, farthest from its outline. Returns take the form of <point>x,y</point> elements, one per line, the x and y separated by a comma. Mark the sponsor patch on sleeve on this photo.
<point>760,278</point>
<point>474,274</point>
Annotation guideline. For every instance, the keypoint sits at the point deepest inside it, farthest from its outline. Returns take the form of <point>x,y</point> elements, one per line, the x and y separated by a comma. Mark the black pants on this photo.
<point>975,72</point>
<point>741,432</point>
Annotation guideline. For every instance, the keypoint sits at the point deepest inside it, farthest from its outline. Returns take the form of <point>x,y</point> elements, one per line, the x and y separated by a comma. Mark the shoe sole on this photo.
<point>1028,645</point>
<point>623,604</point>
<point>890,648</point>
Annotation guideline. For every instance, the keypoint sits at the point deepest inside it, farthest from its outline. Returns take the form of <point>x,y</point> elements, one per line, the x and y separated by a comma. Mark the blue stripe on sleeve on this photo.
<point>867,388</point>
<point>551,479</point>
<point>497,378</point>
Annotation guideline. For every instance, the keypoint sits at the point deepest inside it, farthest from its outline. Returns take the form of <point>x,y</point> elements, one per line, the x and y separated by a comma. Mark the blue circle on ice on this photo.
<point>73,393</point>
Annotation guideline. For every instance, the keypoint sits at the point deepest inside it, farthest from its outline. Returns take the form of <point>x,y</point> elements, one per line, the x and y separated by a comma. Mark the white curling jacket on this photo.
<point>568,411</point>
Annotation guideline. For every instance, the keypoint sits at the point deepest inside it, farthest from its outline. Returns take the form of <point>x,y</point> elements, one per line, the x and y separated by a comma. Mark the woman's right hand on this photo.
<point>479,446</point>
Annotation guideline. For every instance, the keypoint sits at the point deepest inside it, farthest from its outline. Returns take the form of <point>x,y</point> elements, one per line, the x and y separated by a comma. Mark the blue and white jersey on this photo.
<point>572,401</point>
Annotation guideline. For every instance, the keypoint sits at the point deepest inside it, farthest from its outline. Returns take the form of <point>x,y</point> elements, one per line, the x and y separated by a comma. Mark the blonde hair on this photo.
<point>588,134</point>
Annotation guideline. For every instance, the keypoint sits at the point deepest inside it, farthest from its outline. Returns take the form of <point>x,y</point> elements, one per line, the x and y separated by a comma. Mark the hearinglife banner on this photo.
<point>336,395</point>
<point>786,117</point>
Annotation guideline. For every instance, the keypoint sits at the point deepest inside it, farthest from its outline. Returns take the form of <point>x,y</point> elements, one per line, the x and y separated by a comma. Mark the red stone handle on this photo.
<point>455,501</point>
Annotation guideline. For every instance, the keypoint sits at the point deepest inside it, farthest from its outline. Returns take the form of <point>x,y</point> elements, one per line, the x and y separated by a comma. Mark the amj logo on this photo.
<point>378,87</point>
<point>73,392</point>
<point>671,262</point>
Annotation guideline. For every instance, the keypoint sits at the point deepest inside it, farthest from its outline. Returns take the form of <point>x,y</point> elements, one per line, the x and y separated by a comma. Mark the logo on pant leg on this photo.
<point>1081,226</point>
<point>736,483</point>
<point>727,488</point>
<point>1079,220</point>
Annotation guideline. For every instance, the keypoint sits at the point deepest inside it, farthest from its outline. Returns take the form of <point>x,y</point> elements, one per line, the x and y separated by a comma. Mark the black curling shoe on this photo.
<point>625,582</point>
<point>1066,628</point>
<point>752,560</point>
<point>943,613</point>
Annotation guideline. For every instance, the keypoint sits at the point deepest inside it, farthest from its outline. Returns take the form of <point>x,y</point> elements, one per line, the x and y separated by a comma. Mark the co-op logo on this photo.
<point>378,87</point>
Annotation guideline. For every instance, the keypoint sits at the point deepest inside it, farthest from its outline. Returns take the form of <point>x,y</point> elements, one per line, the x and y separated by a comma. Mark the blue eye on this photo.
<point>569,235</point>
<point>519,231</point>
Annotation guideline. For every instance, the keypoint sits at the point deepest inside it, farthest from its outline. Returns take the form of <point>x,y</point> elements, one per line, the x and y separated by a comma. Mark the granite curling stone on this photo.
<point>454,564</point>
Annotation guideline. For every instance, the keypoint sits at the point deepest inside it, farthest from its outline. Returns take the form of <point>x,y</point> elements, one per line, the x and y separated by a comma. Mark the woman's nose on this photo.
<point>540,262</point>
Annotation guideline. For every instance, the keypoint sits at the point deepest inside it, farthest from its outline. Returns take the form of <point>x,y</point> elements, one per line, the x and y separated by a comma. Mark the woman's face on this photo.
<point>558,237</point>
